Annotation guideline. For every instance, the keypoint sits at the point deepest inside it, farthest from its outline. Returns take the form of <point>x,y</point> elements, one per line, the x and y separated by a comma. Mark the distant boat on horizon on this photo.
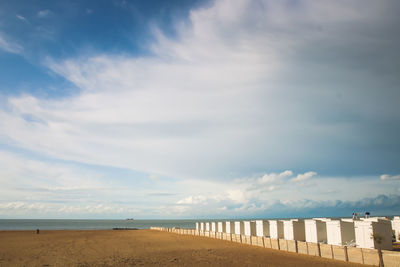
<point>129,219</point>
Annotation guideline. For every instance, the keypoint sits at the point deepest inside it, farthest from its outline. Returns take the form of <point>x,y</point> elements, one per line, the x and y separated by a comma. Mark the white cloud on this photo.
<point>193,200</point>
<point>154,176</point>
<point>44,209</point>
<point>247,196</point>
<point>273,177</point>
<point>271,188</point>
<point>20,17</point>
<point>234,199</point>
<point>273,181</point>
<point>9,46</point>
<point>43,13</point>
<point>237,89</point>
<point>216,89</point>
<point>22,178</point>
<point>303,177</point>
<point>230,194</point>
<point>70,185</point>
<point>236,196</point>
<point>390,177</point>
<point>41,188</point>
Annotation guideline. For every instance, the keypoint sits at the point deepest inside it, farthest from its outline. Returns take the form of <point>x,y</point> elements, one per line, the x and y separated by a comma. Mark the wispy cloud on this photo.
<point>43,209</point>
<point>43,13</point>
<point>247,197</point>
<point>193,200</point>
<point>390,177</point>
<point>220,86</point>
<point>9,46</point>
<point>272,181</point>
<point>273,177</point>
<point>303,177</point>
<point>32,187</point>
<point>378,205</point>
<point>20,17</point>
<point>242,88</point>
<point>69,185</point>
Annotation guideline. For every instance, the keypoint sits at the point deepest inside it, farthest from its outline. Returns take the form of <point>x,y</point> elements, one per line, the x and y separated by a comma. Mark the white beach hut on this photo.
<point>396,227</point>
<point>340,232</point>
<point>372,218</point>
<point>347,220</point>
<point>365,229</point>
<point>202,226</point>
<point>239,228</point>
<point>213,226</point>
<point>221,227</point>
<point>208,226</point>
<point>323,219</point>
<point>262,228</point>
<point>294,230</point>
<point>275,229</point>
<point>249,228</point>
<point>197,226</point>
<point>229,227</point>
<point>315,231</point>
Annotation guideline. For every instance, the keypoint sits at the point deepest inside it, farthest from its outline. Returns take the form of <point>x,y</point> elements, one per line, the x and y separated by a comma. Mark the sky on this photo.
<point>199,109</point>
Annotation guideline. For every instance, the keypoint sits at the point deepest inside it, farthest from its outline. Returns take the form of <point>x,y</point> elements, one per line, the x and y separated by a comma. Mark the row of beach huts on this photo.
<point>346,232</point>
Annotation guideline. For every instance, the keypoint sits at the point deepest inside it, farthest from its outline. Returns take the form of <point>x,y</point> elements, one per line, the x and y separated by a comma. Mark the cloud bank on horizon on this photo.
<point>247,108</point>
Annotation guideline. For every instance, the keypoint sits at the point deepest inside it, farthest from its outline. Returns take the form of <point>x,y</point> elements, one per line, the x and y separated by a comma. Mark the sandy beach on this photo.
<point>139,248</point>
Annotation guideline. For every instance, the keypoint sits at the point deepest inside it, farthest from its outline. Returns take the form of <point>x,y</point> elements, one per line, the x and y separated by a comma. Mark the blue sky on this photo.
<point>198,109</point>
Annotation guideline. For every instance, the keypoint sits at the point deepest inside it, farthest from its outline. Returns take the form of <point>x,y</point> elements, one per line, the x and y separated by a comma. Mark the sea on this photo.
<point>72,224</point>
<point>61,224</point>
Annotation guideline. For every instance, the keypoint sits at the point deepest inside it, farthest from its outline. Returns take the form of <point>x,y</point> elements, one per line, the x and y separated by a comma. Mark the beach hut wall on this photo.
<point>364,230</point>
<point>221,227</point>
<point>275,229</point>
<point>294,230</point>
<point>230,227</point>
<point>213,227</point>
<point>197,226</point>
<point>396,227</point>
<point>236,228</point>
<point>347,220</point>
<point>315,231</point>
<point>373,219</point>
<point>323,219</point>
<point>239,228</point>
<point>340,232</point>
<point>202,226</point>
<point>249,228</point>
<point>208,226</point>
<point>262,228</point>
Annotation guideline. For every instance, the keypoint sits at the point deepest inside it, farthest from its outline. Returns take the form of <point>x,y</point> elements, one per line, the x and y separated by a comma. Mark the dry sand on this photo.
<point>139,247</point>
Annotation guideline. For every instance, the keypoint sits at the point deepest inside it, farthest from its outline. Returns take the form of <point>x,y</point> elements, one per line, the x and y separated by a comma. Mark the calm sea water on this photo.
<point>25,224</point>
<point>22,224</point>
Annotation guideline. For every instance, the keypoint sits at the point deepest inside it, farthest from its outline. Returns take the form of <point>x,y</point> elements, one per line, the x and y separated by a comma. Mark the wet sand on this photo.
<point>139,248</point>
